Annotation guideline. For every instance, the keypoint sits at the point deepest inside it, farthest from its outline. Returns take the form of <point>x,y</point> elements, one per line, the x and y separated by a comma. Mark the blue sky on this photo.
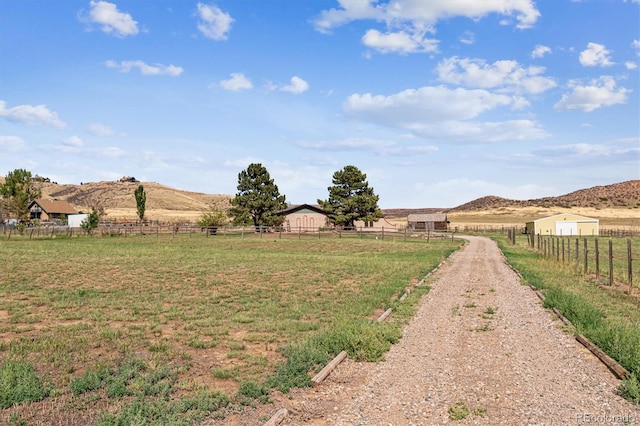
<point>438,102</point>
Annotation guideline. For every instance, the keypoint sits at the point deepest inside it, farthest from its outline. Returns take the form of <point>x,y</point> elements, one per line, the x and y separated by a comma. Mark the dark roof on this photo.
<point>297,207</point>
<point>432,217</point>
<point>54,206</point>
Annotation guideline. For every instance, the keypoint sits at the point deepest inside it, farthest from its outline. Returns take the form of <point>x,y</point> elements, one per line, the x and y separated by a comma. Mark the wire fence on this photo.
<point>193,231</point>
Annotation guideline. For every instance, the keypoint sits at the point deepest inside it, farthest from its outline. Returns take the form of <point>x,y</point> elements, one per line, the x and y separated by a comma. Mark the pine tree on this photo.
<point>351,198</point>
<point>258,200</point>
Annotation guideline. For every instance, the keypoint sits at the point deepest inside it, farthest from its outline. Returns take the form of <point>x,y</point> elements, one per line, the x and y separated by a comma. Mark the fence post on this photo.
<point>597,261</point>
<point>577,254</point>
<point>610,262</point>
<point>586,269</point>
<point>629,265</point>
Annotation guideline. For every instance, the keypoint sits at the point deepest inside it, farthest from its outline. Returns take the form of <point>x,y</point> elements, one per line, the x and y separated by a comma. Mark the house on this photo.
<point>48,210</point>
<point>310,217</point>
<point>303,217</point>
<point>564,224</point>
<point>428,222</point>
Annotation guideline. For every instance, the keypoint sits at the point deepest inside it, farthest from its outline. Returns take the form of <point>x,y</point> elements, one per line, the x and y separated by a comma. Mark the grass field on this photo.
<point>150,330</point>
<point>605,314</point>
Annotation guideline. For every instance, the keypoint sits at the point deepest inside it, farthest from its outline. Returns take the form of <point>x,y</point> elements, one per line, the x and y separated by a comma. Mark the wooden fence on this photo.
<point>131,229</point>
<point>610,260</point>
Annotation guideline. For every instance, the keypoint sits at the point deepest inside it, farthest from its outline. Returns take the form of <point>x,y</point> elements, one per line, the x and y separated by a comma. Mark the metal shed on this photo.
<point>564,224</point>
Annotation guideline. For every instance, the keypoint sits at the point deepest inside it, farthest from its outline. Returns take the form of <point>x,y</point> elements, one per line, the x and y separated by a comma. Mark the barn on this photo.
<point>303,217</point>
<point>428,222</point>
<point>564,224</point>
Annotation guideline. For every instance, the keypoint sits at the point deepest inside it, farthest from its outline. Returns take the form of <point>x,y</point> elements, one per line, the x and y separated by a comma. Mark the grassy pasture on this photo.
<point>146,329</point>
<point>607,315</point>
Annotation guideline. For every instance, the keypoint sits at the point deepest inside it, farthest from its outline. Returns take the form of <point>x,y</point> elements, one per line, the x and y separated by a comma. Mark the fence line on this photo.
<point>130,229</point>
<point>586,257</point>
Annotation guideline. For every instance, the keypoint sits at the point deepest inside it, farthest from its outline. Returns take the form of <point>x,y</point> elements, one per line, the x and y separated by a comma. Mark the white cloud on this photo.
<point>423,14</point>
<point>467,38</point>
<point>378,146</point>
<point>73,141</point>
<point>599,93</point>
<point>11,143</point>
<point>540,50</point>
<point>442,113</point>
<point>296,86</point>
<point>146,69</point>
<point>112,21</point>
<point>214,23</point>
<point>595,55</point>
<point>506,75</point>
<point>636,44</point>
<point>31,114</point>
<point>100,129</point>
<point>399,42</point>
<point>631,65</point>
<point>238,81</point>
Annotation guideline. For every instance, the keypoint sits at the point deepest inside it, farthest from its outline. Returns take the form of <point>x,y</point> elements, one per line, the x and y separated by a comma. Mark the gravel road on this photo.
<point>481,348</point>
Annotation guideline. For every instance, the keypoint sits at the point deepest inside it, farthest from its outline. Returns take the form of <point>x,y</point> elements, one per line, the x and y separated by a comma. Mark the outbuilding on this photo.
<point>428,222</point>
<point>564,224</point>
<point>304,217</point>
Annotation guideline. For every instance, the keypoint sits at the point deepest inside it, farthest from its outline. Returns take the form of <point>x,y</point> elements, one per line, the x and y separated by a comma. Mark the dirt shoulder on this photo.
<point>481,348</point>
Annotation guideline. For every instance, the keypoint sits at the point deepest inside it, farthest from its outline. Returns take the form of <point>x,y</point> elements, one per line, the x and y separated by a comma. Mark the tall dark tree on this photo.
<point>141,201</point>
<point>258,199</point>
<point>18,191</point>
<point>351,198</point>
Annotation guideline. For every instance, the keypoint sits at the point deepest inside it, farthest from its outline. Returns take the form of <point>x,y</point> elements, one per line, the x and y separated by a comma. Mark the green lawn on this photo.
<point>173,328</point>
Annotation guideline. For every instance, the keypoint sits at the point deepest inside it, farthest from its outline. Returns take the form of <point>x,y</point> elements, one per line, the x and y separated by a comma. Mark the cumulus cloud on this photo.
<point>98,129</point>
<point>238,81</point>
<point>32,115</point>
<point>540,50</point>
<point>111,20</point>
<point>595,55</point>
<point>442,113</point>
<point>422,14</point>
<point>296,86</point>
<point>598,93</point>
<point>631,65</point>
<point>506,75</point>
<point>144,68</point>
<point>11,143</point>
<point>399,42</point>
<point>214,23</point>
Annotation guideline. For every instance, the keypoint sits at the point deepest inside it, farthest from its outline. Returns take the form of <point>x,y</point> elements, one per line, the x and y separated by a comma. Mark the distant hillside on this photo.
<point>119,195</point>
<point>619,195</point>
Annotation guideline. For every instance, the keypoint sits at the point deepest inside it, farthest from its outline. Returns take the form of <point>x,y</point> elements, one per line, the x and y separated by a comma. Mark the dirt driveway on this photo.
<point>481,350</point>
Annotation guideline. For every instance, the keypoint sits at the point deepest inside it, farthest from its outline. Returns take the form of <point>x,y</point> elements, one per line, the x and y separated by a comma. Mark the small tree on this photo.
<point>141,201</point>
<point>91,222</point>
<point>215,217</point>
<point>351,198</point>
<point>18,191</point>
<point>258,200</point>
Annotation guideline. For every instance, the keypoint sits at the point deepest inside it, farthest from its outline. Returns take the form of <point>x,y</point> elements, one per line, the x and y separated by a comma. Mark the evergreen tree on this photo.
<point>141,201</point>
<point>18,191</point>
<point>258,199</point>
<point>351,198</point>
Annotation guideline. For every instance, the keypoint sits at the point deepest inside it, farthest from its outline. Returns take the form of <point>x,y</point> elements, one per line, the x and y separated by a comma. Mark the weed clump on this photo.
<point>19,383</point>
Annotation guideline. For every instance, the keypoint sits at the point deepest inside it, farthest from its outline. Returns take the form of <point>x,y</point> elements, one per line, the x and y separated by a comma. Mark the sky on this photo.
<point>438,102</point>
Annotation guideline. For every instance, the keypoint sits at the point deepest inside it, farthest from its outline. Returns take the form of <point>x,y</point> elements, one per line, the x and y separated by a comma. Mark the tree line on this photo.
<point>258,201</point>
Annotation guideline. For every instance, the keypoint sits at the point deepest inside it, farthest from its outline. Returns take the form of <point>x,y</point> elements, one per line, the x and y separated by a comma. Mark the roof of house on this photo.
<point>427,217</point>
<point>297,207</point>
<point>54,206</point>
